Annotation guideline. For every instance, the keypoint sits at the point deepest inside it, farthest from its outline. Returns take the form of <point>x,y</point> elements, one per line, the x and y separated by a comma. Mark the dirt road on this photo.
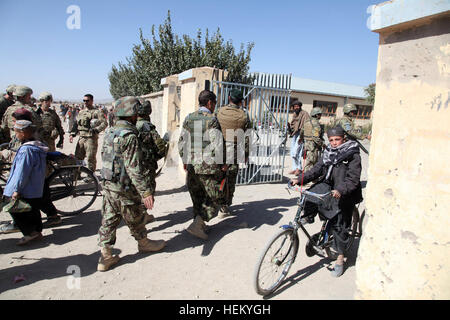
<point>63,265</point>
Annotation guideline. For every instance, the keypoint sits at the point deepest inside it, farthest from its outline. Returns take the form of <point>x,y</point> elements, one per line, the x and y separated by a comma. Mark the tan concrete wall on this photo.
<point>405,250</point>
<point>156,99</point>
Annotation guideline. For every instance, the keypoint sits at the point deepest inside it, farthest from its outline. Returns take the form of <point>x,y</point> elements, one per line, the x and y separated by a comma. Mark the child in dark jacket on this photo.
<point>339,171</point>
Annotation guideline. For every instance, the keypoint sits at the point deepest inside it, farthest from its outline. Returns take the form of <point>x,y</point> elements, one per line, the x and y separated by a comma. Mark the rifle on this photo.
<point>352,137</point>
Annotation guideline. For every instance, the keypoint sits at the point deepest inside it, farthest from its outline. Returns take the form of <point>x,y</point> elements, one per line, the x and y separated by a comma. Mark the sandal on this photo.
<point>338,270</point>
<point>28,239</point>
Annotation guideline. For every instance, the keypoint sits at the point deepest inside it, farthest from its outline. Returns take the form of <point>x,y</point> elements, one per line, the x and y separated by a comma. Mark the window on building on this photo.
<point>328,108</point>
<point>364,112</point>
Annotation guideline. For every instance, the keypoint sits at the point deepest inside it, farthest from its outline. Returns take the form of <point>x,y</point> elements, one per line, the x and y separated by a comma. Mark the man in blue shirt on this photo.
<point>26,181</point>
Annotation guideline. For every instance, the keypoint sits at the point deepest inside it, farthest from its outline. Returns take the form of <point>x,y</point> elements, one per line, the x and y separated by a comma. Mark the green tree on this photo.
<point>370,93</point>
<point>167,53</point>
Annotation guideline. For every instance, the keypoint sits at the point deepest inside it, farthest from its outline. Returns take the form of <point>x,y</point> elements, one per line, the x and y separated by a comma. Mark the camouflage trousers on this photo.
<point>312,155</point>
<point>117,206</point>
<point>205,193</point>
<point>230,186</point>
<point>87,147</point>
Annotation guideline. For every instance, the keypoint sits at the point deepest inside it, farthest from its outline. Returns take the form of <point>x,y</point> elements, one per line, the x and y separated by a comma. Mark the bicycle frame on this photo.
<point>296,224</point>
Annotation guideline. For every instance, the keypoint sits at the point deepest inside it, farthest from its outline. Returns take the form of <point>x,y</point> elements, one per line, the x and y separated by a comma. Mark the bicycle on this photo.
<point>281,251</point>
<point>73,187</point>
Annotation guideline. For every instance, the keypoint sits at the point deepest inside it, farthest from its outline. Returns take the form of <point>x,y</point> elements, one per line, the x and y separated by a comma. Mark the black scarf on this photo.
<point>332,156</point>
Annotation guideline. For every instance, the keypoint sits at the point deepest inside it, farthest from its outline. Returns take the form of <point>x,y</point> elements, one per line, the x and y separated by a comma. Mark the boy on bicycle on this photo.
<point>339,171</point>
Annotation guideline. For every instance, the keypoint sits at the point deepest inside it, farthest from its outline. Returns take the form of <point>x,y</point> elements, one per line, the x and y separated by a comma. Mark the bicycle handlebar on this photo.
<point>320,196</point>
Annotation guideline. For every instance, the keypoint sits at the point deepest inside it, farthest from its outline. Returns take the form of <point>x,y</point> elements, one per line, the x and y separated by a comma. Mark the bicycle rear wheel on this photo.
<point>275,261</point>
<point>352,234</point>
<point>73,189</point>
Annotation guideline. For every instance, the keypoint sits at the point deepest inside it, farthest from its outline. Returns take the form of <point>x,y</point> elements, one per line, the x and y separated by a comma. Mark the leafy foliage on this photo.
<point>169,54</point>
<point>370,93</point>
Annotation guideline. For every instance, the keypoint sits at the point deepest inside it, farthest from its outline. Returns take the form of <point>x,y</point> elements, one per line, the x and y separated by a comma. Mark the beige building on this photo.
<point>405,249</point>
<point>331,97</point>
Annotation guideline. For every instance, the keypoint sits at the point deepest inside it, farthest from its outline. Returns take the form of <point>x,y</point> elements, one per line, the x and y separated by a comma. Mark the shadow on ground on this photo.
<point>72,228</point>
<point>46,269</point>
<point>309,270</point>
<point>251,215</point>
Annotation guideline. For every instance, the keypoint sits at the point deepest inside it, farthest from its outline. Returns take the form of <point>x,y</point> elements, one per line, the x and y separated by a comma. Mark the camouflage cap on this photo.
<point>236,95</point>
<point>126,106</point>
<point>10,89</point>
<point>145,108</point>
<point>20,91</point>
<point>45,96</point>
<point>349,107</point>
<point>315,111</point>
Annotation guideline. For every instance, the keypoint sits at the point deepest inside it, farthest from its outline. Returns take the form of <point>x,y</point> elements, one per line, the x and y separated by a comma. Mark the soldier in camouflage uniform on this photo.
<point>153,147</point>
<point>22,95</point>
<point>203,175</point>
<point>6,100</point>
<point>88,142</point>
<point>232,117</point>
<point>312,136</point>
<point>346,122</point>
<point>51,124</point>
<point>128,186</point>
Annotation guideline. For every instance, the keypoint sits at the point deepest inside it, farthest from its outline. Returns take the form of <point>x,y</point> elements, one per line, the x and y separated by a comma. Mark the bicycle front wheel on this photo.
<point>275,261</point>
<point>73,189</point>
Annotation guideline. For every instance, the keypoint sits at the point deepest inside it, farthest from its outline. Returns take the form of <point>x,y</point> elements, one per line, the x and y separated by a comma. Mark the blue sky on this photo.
<point>322,40</point>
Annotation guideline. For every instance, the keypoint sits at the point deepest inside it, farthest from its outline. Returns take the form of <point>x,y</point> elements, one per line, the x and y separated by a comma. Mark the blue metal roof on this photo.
<point>329,88</point>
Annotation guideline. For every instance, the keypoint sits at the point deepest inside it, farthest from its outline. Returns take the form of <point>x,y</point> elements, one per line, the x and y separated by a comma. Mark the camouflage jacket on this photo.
<point>4,104</point>
<point>153,146</point>
<point>83,126</point>
<point>234,150</point>
<point>126,149</point>
<point>7,124</point>
<point>194,147</point>
<point>51,125</point>
<point>348,125</point>
<point>312,131</point>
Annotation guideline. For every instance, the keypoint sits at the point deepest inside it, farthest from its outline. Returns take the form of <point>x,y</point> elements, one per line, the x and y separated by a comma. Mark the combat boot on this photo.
<point>107,259</point>
<point>149,218</point>
<point>224,212</point>
<point>146,245</point>
<point>197,228</point>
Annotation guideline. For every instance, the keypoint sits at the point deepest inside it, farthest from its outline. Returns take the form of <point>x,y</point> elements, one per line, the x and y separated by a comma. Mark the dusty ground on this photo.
<point>221,268</point>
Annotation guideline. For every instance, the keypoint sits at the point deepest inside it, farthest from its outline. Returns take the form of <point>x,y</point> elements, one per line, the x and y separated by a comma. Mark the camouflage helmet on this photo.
<point>145,108</point>
<point>10,89</point>
<point>126,106</point>
<point>349,107</point>
<point>45,96</point>
<point>21,91</point>
<point>315,111</point>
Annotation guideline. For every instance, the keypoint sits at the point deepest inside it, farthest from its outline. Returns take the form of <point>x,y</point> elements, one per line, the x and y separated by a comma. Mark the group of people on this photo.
<point>307,134</point>
<point>132,147</point>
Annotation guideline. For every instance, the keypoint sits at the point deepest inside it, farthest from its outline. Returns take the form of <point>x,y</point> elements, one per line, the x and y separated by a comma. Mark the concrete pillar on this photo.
<point>405,249</point>
<point>181,98</point>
